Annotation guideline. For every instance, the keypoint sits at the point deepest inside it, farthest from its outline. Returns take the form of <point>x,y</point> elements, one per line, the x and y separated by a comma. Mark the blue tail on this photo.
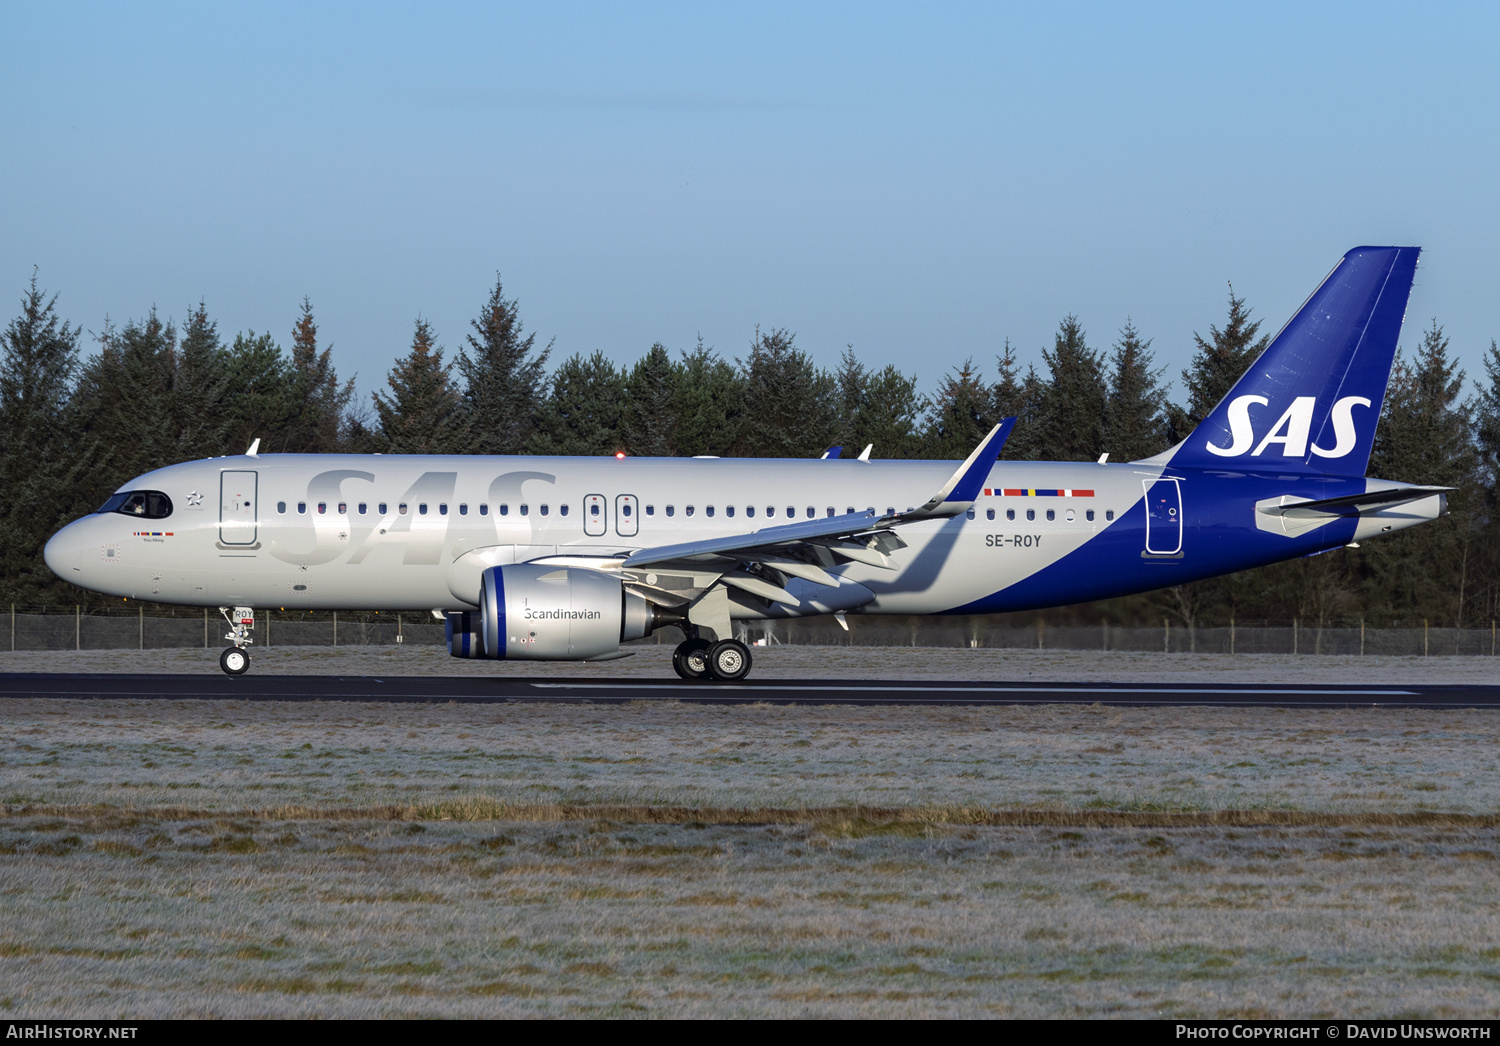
<point>1311,402</point>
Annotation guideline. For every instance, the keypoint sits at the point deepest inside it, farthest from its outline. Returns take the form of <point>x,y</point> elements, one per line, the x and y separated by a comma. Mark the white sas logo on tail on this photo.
<point>1292,430</point>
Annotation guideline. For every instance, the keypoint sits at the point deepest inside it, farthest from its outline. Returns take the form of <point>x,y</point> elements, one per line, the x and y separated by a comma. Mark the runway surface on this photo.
<point>477,690</point>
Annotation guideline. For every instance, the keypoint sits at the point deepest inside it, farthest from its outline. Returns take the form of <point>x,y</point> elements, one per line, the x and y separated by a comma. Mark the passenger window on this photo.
<point>1109,513</point>
<point>504,510</point>
<point>690,510</point>
<point>989,513</point>
<point>1089,515</point>
<point>830,511</point>
<point>484,510</point>
<point>442,509</point>
<point>811,512</point>
<point>1010,513</point>
<point>709,511</point>
<point>728,510</point>
<point>322,508</point>
<point>562,510</point>
<point>544,510</point>
<point>750,511</point>
<point>525,510</point>
<point>625,508</point>
<point>422,508</point>
<point>363,507</point>
<point>770,511</point>
<point>849,510</point>
<point>650,510</point>
<point>401,508</point>
<point>343,508</point>
<point>463,510</point>
<point>671,511</point>
<point>791,512</point>
<point>594,510</point>
<point>301,508</point>
<point>1031,513</point>
<point>1051,515</point>
<point>281,507</point>
<point>382,508</point>
<point>969,514</point>
<point>890,510</point>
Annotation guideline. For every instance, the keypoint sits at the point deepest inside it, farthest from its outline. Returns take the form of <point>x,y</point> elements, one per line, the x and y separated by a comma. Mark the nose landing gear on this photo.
<point>235,660</point>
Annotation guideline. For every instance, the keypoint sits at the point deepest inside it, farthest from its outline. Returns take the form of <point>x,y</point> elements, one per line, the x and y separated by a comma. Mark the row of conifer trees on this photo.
<point>155,392</point>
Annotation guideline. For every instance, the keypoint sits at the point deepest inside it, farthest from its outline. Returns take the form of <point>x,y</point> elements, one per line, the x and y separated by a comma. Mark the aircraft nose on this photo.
<point>64,553</point>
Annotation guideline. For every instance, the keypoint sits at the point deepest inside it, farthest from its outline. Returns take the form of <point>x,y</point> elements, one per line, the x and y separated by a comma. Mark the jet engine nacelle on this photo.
<point>542,613</point>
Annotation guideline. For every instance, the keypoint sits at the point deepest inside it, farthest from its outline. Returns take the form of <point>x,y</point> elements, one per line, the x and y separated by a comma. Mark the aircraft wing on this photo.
<point>760,561</point>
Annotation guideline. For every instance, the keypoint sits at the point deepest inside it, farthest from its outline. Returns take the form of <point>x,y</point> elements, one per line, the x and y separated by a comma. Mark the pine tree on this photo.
<point>319,402</point>
<point>790,408</point>
<point>891,417</point>
<point>1425,436</point>
<point>1135,421</point>
<point>1487,494</point>
<point>709,404</point>
<point>852,383</point>
<point>123,403</point>
<point>585,410</point>
<point>960,415</point>
<point>38,358</point>
<point>650,418</point>
<point>1073,403</point>
<point>259,398</point>
<point>1487,416</point>
<point>1217,364</point>
<point>422,414</point>
<point>199,388</point>
<point>1018,396</point>
<point>879,409</point>
<point>504,378</point>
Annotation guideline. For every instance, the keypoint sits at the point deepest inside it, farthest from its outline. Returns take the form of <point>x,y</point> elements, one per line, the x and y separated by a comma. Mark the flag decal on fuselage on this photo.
<point>1037,492</point>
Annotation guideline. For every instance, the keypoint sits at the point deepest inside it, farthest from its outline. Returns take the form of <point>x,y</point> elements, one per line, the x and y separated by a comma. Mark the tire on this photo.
<point>234,661</point>
<point>729,661</point>
<point>690,659</point>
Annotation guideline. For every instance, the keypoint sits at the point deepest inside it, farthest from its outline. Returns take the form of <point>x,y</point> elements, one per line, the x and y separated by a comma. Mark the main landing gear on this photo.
<point>726,661</point>
<point>235,660</point>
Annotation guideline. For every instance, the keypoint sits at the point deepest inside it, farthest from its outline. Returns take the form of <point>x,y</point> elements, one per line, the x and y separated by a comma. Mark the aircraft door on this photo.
<point>1163,517</point>
<point>237,507</point>
<point>626,523</point>
<point>595,515</point>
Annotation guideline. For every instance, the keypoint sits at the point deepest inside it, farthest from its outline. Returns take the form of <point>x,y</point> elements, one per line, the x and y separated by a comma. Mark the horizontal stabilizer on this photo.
<point>1349,505</point>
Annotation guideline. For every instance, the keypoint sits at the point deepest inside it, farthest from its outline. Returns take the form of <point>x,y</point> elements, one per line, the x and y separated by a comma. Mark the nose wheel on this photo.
<point>234,661</point>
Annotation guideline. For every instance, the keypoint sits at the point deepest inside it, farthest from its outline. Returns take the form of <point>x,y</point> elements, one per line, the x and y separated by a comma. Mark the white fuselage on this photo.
<point>352,532</point>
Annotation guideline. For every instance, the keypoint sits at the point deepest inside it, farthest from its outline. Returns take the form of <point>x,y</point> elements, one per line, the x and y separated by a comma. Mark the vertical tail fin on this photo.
<point>1312,400</point>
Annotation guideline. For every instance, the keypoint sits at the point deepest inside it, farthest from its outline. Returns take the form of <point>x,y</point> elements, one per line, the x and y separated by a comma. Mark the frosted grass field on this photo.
<point>196,858</point>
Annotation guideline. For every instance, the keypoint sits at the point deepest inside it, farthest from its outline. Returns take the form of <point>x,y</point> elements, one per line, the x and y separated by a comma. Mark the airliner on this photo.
<point>568,558</point>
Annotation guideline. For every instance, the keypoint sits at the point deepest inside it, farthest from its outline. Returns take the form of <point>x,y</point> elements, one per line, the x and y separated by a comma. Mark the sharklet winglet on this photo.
<point>964,486</point>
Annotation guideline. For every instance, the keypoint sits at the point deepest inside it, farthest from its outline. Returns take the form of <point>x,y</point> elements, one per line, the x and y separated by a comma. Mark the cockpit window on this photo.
<point>146,504</point>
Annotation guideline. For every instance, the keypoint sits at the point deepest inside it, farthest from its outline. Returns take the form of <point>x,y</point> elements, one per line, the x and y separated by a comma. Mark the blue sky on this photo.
<point>920,181</point>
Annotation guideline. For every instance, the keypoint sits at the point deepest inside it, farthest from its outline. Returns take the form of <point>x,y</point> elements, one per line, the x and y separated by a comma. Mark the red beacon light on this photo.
<point>619,455</point>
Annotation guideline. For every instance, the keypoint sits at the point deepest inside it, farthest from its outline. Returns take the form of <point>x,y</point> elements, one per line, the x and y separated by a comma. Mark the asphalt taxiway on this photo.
<point>475,690</point>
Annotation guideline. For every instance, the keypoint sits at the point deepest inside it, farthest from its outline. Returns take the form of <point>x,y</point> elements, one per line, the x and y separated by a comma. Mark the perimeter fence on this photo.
<point>94,629</point>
